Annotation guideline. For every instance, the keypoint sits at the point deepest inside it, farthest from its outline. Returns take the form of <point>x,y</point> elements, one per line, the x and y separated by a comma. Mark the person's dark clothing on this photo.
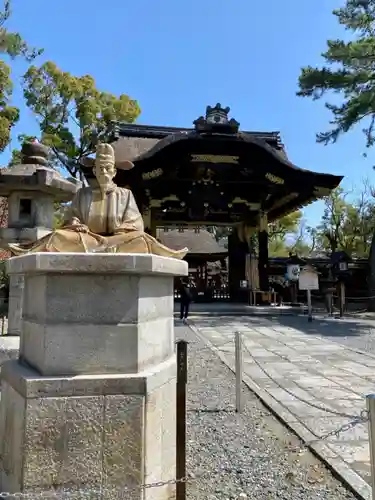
<point>185,301</point>
<point>280,290</point>
<point>184,309</point>
<point>185,292</point>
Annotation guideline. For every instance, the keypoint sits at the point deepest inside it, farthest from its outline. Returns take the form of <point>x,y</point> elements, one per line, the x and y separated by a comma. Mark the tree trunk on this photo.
<point>371,276</point>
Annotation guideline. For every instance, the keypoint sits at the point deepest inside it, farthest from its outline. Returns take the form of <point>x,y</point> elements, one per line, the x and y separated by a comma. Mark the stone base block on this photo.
<point>98,437</point>
<point>16,286</point>
<point>96,313</point>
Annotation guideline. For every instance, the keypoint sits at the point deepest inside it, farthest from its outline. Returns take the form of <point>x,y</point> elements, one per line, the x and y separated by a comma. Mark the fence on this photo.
<point>353,420</point>
<point>183,476</point>
<point>332,303</point>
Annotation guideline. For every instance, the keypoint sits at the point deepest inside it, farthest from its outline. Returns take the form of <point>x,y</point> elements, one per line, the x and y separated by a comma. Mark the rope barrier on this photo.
<point>360,298</point>
<point>346,298</point>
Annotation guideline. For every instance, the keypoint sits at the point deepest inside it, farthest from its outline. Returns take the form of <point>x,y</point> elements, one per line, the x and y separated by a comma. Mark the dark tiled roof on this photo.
<point>130,148</point>
<point>197,243</point>
<point>137,148</point>
<point>160,132</point>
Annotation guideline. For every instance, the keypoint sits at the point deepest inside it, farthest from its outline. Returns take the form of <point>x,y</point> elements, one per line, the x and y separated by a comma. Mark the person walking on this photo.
<point>280,292</point>
<point>185,300</point>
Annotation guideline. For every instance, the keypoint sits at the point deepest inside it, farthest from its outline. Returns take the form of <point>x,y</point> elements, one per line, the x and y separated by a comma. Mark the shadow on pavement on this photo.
<point>323,327</point>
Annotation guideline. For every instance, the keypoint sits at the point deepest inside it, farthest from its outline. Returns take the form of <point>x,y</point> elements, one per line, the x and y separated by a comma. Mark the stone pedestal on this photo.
<point>16,285</point>
<point>90,410</point>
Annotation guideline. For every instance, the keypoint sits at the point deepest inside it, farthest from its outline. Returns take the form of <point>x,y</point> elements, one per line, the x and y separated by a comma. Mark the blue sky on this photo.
<point>176,57</point>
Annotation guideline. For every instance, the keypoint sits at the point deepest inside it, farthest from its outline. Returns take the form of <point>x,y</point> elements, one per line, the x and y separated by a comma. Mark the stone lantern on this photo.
<point>31,189</point>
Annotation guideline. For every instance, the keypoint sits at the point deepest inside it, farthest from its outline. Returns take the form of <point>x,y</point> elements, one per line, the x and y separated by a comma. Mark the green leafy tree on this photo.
<point>73,114</point>
<point>359,225</point>
<point>330,232</point>
<point>300,247</point>
<point>16,157</point>
<point>11,45</point>
<point>302,243</point>
<point>285,225</point>
<point>278,232</point>
<point>58,216</point>
<point>347,226</point>
<point>348,71</point>
<point>282,229</point>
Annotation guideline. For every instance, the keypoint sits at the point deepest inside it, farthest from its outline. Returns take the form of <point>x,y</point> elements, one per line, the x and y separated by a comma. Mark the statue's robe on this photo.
<point>115,225</point>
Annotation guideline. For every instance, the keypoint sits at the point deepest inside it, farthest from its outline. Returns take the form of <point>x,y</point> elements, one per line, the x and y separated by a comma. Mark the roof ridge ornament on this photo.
<point>216,121</point>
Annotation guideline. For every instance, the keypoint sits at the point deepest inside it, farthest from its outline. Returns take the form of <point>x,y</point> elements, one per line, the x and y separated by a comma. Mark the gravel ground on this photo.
<point>250,455</point>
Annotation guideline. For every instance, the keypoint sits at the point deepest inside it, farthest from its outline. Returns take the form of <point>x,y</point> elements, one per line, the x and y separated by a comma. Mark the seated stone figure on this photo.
<point>102,219</point>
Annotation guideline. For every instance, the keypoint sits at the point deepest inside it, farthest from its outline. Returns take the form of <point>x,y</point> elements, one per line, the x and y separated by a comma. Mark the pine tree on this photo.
<point>349,71</point>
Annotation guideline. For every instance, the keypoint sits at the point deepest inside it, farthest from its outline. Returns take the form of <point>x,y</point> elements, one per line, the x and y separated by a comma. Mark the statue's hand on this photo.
<point>80,228</point>
<point>77,226</point>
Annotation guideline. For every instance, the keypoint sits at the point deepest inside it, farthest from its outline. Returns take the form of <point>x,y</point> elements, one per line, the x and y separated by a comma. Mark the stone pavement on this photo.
<point>233,309</point>
<point>314,385</point>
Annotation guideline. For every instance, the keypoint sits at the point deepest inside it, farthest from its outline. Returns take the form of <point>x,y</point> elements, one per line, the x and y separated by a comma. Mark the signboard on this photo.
<point>146,176</point>
<point>308,279</point>
<point>214,159</point>
<point>179,215</point>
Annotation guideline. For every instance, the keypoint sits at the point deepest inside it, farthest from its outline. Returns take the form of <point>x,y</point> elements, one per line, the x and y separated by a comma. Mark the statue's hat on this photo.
<point>106,152</point>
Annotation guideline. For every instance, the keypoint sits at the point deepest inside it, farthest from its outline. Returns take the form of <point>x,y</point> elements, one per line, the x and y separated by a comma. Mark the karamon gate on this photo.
<point>215,174</point>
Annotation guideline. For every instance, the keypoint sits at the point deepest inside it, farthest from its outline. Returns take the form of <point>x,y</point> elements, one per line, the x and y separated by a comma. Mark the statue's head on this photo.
<point>104,166</point>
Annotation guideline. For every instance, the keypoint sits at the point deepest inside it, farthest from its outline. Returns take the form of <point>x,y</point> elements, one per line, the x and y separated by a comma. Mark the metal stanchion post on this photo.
<point>309,306</point>
<point>238,361</point>
<point>181,419</point>
<point>371,427</point>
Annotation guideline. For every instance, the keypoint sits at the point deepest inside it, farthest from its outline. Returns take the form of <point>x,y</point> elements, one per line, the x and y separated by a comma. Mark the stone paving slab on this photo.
<point>313,385</point>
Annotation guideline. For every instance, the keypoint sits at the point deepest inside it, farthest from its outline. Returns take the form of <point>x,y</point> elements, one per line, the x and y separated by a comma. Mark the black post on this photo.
<point>263,252</point>
<point>181,419</point>
<point>309,306</point>
<point>342,298</point>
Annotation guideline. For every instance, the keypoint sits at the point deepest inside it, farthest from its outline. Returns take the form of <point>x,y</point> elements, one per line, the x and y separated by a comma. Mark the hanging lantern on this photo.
<point>340,263</point>
<point>293,268</point>
<point>293,271</point>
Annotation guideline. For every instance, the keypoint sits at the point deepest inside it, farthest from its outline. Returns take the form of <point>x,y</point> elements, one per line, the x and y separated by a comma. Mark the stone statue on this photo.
<point>102,219</point>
